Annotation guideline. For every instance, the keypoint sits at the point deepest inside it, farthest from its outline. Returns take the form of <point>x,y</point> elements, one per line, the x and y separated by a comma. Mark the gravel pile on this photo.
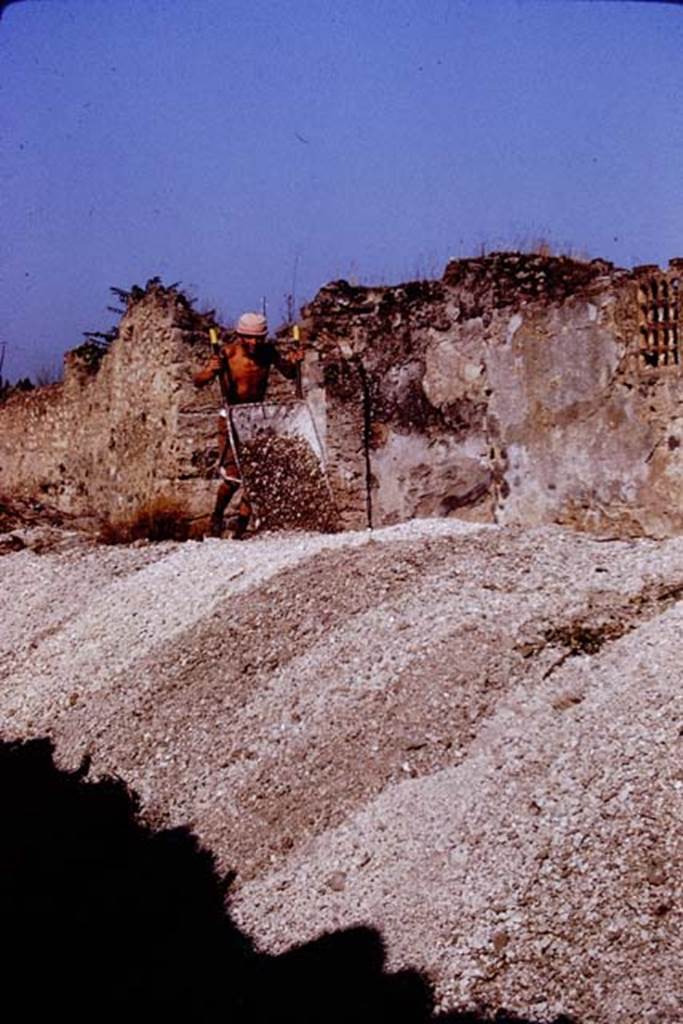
<point>286,484</point>
<point>468,737</point>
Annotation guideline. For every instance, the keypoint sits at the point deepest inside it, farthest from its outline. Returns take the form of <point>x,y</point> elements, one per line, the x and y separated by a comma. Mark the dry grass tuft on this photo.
<point>156,520</point>
<point>534,245</point>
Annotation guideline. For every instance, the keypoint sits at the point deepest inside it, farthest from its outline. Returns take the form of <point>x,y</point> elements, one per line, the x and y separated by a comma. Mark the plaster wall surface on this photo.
<point>515,389</point>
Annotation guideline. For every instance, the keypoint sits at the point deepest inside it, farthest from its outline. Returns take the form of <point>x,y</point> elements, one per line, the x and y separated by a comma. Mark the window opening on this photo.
<point>659,318</point>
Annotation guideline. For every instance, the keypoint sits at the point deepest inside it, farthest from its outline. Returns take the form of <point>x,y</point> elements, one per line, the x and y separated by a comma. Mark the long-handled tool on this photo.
<point>296,338</point>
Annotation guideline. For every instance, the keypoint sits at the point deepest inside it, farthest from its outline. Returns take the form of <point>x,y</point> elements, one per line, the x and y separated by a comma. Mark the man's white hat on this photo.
<point>252,324</point>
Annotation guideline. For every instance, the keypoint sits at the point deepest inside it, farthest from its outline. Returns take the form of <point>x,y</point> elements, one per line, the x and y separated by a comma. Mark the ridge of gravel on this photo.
<point>543,873</point>
<point>81,601</point>
<point>464,735</point>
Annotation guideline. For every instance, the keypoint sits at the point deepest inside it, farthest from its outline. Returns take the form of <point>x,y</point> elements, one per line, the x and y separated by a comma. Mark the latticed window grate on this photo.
<point>659,320</point>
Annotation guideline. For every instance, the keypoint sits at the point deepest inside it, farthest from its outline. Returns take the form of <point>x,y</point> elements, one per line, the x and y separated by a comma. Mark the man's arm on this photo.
<point>287,363</point>
<point>208,372</point>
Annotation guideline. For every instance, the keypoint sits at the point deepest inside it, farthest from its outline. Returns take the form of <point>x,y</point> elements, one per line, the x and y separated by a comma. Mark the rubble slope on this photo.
<point>466,736</point>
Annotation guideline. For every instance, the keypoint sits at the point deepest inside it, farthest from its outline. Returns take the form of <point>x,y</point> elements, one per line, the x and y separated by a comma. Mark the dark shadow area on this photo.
<point>105,919</point>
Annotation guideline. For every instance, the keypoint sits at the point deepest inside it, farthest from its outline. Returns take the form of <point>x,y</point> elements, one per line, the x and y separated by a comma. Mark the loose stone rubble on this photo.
<point>287,485</point>
<point>465,736</point>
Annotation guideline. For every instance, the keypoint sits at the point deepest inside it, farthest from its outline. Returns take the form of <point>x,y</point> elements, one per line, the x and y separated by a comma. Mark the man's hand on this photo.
<point>296,353</point>
<point>209,372</point>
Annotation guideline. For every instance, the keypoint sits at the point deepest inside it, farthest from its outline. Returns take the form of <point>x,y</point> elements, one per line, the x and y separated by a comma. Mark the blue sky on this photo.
<point>249,148</point>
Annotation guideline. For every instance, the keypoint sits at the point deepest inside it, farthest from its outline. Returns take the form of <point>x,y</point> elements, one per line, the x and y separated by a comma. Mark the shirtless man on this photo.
<point>246,361</point>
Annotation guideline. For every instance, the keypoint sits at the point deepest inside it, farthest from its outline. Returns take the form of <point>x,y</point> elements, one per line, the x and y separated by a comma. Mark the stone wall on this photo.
<point>121,430</point>
<point>518,389</point>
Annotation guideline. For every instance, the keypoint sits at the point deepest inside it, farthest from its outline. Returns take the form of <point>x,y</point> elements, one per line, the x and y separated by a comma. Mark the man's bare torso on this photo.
<point>249,365</point>
<point>246,363</point>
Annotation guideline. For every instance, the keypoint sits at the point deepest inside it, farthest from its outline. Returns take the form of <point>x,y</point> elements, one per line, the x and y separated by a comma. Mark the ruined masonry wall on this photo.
<point>106,441</point>
<point>517,389</point>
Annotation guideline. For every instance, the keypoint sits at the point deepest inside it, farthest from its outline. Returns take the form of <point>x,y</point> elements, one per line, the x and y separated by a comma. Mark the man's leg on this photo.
<point>243,515</point>
<point>226,489</point>
<point>230,483</point>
